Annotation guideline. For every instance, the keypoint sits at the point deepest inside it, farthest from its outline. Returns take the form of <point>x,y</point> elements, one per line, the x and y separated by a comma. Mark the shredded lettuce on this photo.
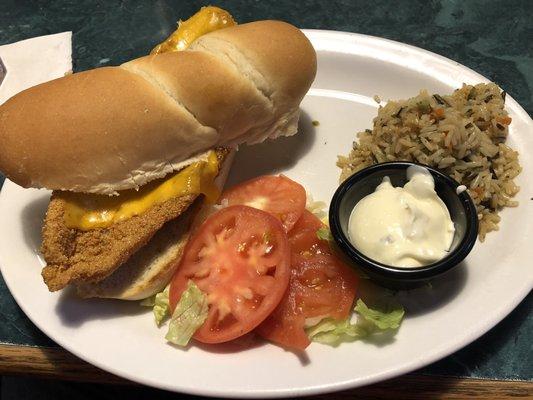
<point>148,302</point>
<point>189,315</point>
<point>390,318</point>
<point>318,208</point>
<point>333,333</point>
<point>161,308</point>
<point>159,304</point>
<point>324,234</point>
<point>369,322</point>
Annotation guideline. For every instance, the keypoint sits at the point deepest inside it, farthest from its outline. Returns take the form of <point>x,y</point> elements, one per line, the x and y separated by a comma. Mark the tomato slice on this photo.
<point>277,195</point>
<point>239,257</point>
<point>320,286</point>
<point>307,221</point>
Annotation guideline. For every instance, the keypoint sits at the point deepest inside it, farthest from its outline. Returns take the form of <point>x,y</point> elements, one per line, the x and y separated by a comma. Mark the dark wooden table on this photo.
<point>494,38</point>
<point>56,363</point>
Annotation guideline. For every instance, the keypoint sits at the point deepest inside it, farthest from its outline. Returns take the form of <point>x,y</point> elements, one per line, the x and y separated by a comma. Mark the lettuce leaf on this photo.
<point>159,304</point>
<point>161,308</point>
<point>369,322</point>
<point>333,333</point>
<point>148,302</point>
<point>189,315</point>
<point>324,234</point>
<point>390,318</point>
<point>318,208</point>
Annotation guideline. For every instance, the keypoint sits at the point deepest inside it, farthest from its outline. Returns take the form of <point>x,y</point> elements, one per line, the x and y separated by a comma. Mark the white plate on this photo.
<point>121,337</point>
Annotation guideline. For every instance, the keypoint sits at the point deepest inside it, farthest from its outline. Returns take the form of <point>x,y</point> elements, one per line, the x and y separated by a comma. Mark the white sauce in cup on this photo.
<point>403,227</point>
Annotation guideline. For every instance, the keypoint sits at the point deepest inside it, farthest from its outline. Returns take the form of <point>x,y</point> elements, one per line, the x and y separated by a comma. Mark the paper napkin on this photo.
<point>33,61</point>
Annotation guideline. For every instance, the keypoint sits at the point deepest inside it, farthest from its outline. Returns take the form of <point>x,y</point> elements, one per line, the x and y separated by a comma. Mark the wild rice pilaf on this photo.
<point>462,134</point>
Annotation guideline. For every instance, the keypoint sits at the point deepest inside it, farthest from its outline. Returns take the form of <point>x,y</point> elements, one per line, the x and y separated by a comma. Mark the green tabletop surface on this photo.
<point>494,38</point>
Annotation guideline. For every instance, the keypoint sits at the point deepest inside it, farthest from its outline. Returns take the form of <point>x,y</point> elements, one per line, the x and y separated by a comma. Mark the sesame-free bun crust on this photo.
<point>116,128</point>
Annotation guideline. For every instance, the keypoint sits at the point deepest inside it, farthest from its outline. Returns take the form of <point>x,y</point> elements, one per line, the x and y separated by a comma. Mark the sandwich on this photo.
<point>132,153</point>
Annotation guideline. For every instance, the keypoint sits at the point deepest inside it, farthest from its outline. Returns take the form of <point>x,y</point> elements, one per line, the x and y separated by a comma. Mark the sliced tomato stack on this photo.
<point>263,267</point>
<point>320,286</point>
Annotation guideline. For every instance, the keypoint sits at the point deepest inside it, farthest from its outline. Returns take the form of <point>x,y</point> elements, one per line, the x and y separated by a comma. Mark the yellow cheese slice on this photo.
<point>90,211</point>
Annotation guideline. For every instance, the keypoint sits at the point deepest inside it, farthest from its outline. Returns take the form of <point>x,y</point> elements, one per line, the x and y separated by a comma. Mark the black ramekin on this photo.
<point>462,212</point>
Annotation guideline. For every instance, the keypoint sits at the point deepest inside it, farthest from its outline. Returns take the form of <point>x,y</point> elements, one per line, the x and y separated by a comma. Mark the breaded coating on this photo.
<point>76,256</point>
<point>149,270</point>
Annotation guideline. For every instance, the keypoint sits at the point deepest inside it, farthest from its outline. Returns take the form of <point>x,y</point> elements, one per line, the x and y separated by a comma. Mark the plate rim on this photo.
<point>473,334</point>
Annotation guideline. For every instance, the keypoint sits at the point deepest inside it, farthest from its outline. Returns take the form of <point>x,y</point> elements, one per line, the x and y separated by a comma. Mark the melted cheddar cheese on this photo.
<point>90,211</point>
<point>208,19</point>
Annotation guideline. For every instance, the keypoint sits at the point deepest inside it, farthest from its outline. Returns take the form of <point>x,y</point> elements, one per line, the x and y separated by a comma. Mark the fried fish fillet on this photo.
<point>150,269</point>
<point>75,256</point>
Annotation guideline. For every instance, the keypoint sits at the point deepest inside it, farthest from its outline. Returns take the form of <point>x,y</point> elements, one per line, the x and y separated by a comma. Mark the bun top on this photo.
<point>116,128</point>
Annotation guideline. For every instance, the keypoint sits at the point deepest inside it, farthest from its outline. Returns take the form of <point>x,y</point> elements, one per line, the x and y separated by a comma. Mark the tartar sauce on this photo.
<point>460,189</point>
<point>403,227</point>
